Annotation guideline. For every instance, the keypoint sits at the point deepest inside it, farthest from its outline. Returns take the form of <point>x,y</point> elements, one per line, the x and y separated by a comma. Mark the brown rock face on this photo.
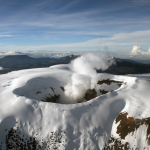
<point>90,94</point>
<point>129,125</point>
<point>51,98</point>
<point>108,82</point>
<point>103,92</point>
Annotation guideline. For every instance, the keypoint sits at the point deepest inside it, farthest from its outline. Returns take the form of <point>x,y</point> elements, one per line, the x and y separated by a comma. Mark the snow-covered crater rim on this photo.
<point>52,90</point>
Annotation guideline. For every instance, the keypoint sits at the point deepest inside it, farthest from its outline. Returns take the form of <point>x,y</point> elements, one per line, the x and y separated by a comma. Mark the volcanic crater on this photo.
<point>56,94</point>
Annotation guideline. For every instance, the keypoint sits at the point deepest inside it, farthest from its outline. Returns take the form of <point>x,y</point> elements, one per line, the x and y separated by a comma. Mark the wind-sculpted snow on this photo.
<point>33,116</point>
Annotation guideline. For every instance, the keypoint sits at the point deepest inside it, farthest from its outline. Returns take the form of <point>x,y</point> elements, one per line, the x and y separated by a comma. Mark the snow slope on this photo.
<point>69,125</point>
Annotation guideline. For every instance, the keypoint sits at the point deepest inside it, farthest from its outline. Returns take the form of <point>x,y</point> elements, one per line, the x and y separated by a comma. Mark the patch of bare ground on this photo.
<point>103,92</point>
<point>51,98</point>
<point>90,94</point>
<point>38,92</point>
<point>116,144</point>
<point>15,139</point>
<point>62,88</point>
<point>129,125</point>
<point>108,82</point>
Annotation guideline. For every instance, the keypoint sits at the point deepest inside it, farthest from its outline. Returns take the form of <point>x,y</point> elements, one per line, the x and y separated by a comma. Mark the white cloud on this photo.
<point>11,53</point>
<point>41,53</point>
<point>116,42</point>
<point>1,68</point>
<point>138,51</point>
<point>5,35</point>
<point>134,36</point>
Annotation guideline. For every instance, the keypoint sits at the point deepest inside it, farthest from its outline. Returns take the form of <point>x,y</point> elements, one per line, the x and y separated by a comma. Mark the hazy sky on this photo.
<point>78,25</point>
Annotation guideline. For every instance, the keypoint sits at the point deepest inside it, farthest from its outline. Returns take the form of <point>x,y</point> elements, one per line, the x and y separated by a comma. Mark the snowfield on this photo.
<point>46,108</point>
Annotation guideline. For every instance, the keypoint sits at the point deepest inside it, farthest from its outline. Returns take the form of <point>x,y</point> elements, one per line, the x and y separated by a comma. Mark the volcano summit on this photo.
<point>72,107</point>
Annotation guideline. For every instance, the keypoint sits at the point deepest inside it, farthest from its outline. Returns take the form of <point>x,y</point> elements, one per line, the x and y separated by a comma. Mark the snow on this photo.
<point>86,125</point>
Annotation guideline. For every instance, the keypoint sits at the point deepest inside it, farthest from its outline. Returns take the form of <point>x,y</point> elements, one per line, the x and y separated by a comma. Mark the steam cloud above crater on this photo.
<point>1,68</point>
<point>84,74</point>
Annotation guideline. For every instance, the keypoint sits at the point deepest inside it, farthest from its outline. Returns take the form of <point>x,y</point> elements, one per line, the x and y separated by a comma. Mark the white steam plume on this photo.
<point>85,75</point>
<point>1,68</point>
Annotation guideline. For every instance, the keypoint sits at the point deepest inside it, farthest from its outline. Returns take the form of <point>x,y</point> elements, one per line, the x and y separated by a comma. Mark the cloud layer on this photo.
<point>73,25</point>
<point>10,53</point>
<point>117,42</point>
<point>38,54</point>
<point>138,51</point>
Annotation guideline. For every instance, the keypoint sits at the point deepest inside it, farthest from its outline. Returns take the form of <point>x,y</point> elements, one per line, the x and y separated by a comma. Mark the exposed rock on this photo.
<point>38,92</point>
<point>16,139</point>
<point>103,92</point>
<point>51,98</point>
<point>108,82</point>
<point>126,125</point>
<point>129,125</point>
<point>116,144</point>
<point>90,94</point>
<point>62,88</point>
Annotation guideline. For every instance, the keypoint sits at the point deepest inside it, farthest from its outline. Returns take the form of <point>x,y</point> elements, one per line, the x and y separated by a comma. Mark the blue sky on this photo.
<point>74,25</point>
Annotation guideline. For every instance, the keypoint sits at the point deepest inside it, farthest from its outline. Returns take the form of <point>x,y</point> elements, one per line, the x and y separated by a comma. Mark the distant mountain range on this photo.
<point>125,66</point>
<point>21,59</point>
<point>19,62</point>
